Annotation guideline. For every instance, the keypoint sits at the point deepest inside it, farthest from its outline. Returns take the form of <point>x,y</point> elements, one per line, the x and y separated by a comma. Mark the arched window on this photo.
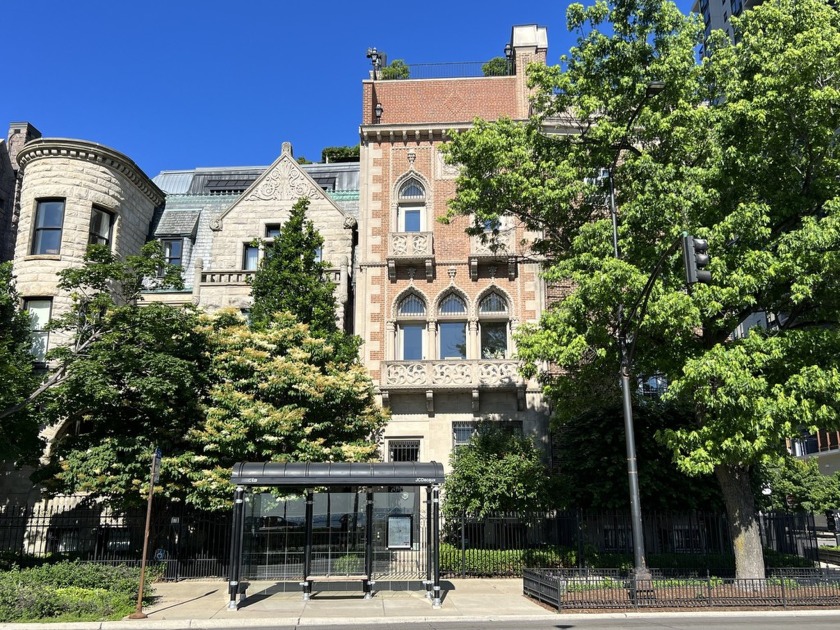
<point>452,327</point>
<point>411,207</point>
<point>411,328</point>
<point>493,321</point>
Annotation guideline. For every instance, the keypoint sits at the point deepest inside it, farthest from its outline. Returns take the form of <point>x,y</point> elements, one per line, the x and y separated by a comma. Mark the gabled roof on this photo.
<point>284,180</point>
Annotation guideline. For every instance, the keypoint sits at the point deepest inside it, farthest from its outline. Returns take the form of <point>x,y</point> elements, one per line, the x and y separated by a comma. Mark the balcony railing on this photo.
<point>451,374</point>
<point>411,247</point>
<point>244,276</point>
<point>451,70</point>
<point>486,250</point>
<point>410,244</point>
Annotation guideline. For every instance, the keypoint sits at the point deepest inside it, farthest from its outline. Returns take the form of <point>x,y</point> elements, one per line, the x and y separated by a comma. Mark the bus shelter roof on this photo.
<point>310,474</point>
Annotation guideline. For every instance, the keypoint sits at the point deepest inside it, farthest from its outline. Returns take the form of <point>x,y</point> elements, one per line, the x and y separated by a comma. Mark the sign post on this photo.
<point>154,478</point>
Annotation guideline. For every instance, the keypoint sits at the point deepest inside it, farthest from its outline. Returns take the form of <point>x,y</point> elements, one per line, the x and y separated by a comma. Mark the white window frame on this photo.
<point>40,337</point>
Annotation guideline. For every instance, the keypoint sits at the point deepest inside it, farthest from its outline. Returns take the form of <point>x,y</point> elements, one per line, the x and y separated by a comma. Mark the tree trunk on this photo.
<point>743,522</point>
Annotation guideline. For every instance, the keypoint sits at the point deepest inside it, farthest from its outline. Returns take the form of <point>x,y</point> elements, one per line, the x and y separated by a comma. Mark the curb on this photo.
<point>204,624</point>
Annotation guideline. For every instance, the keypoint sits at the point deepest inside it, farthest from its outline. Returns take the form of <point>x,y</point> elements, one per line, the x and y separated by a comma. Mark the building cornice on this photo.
<point>45,148</point>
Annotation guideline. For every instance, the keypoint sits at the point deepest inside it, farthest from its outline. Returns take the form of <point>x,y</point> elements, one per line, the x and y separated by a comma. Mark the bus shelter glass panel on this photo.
<point>338,533</point>
<point>274,537</point>
<point>399,534</point>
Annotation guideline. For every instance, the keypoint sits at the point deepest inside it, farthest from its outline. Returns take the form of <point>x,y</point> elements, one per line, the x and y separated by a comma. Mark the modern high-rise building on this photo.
<point>717,14</point>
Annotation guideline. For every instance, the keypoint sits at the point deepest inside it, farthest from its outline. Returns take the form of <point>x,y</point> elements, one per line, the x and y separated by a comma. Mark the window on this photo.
<point>319,254</point>
<point>411,335</point>
<point>40,311</point>
<point>49,218</point>
<point>272,231</point>
<point>404,450</point>
<point>173,249</point>
<point>493,323</point>
<point>101,222</point>
<point>250,257</point>
<point>411,209</point>
<point>452,335</point>
<point>462,432</point>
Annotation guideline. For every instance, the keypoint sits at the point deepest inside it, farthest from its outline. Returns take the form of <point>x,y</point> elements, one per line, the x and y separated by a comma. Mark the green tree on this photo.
<point>497,471</point>
<point>19,430</point>
<point>131,378</point>
<point>340,154</point>
<point>590,462</point>
<point>397,69</point>
<point>799,485</point>
<point>496,67</point>
<point>139,386</point>
<point>278,393</point>
<point>742,150</point>
<point>292,279</point>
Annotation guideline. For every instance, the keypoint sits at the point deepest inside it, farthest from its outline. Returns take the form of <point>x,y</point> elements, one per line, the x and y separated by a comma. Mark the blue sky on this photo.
<point>186,83</point>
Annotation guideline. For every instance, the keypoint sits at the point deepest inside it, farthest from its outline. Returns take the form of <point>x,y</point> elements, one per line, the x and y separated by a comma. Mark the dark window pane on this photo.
<point>453,340</point>
<point>493,340</point>
<point>412,342</point>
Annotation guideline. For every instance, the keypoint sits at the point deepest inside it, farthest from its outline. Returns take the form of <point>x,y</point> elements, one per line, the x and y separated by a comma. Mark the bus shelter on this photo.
<point>394,531</point>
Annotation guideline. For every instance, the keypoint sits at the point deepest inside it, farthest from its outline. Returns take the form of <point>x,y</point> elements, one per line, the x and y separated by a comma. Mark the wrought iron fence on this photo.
<point>189,543</point>
<point>194,544</point>
<point>611,588</point>
<point>506,543</point>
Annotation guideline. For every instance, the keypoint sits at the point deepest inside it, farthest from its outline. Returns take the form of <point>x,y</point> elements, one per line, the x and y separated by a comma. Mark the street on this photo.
<point>685,621</point>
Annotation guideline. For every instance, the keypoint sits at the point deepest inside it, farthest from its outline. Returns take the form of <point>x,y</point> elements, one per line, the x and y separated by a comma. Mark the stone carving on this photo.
<point>411,244</point>
<point>405,374</point>
<point>444,170</point>
<point>496,373</point>
<point>490,246</point>
<point>284,182</point>
<point>452,373</point>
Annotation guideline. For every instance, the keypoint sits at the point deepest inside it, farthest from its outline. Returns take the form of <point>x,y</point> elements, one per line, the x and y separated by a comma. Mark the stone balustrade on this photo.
<point>451,374</point>
<point>411,244</point>
<point>243,277</point>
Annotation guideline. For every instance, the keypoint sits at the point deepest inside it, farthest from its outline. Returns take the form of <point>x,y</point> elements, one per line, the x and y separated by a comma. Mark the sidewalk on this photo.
<point>203,604</point>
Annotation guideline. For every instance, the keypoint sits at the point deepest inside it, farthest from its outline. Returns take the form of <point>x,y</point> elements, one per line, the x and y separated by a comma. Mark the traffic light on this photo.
<point>696,260</point>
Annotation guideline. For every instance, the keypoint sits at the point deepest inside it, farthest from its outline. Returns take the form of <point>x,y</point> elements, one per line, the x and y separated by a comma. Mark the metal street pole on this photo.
<point>641,571</point>
<point>153,479</point>
<point>639,562</point>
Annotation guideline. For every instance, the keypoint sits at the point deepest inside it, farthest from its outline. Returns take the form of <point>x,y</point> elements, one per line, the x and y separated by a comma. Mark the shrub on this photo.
<point>70,591</point>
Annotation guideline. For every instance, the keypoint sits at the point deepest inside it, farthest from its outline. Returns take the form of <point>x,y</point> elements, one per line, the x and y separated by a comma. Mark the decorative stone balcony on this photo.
<point>408,248</point>
<point>243,276</point>
<point>452,375</point>
<point>502,249</point>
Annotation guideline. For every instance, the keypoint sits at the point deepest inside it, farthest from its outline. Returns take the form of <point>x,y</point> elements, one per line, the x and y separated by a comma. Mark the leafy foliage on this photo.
<point>130,379</point>
<point>139,386</point>
<point>742,150</point>
<point>69,591</point>
<point>498,470</point>
<point>340,154</point>
<point>397,69</point>
<point>277,393</point>
<point>19,430</point>
<point>591,462</point>
<point>496,67</point>
<point>799,485</point>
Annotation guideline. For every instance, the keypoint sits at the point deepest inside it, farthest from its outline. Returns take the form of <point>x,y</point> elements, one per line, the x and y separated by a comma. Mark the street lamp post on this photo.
<point>641,571</point>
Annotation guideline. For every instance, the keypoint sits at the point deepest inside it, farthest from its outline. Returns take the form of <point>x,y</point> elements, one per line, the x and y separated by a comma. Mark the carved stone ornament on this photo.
<point>215,225</point>
<point>444,170</point>
<point>350,223</point>
<point>285,182</point>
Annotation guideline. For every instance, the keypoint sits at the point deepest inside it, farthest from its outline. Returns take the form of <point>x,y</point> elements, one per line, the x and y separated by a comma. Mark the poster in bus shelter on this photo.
<point>399,531</point>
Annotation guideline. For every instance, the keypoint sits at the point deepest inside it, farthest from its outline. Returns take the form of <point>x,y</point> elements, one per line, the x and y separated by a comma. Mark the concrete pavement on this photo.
<point>195,604</point>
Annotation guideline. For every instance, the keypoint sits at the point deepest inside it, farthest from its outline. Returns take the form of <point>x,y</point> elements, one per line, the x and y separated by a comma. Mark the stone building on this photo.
<point>436,309</point>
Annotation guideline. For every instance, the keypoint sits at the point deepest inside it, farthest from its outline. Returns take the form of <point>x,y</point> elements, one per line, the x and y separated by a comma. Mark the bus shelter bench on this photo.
<point>306,585</point>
